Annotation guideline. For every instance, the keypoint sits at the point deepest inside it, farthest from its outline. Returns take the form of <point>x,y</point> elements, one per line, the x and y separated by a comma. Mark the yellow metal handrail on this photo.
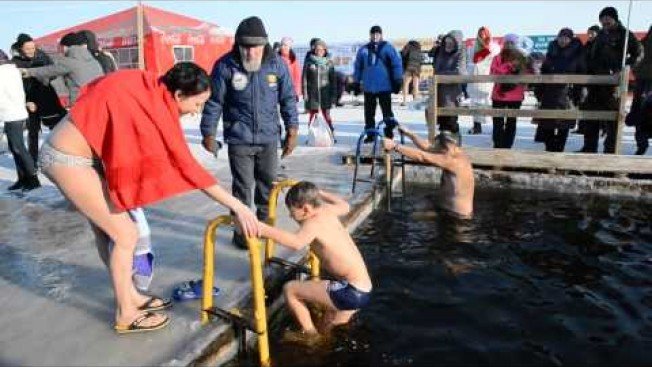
<point>257,285</point>
<point>271,213</point>
<point>313,260</point>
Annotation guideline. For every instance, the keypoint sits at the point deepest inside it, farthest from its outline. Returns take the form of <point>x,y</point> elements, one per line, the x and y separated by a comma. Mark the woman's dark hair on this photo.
<point>304,192</point>
<point>188,78</point>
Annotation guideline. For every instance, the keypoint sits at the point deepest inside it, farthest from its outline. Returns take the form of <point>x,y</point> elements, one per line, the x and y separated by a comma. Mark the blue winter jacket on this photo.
<point>248,102</point>
<point>373,70</point>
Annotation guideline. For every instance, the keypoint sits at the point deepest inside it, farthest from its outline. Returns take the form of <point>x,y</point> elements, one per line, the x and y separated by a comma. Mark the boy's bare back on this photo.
<point>336,249</point>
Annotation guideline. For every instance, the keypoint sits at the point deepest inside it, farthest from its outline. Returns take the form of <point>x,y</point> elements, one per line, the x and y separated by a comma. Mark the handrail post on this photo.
<point>209,265</point>
<point>314,265</point>
<point>271,213</point>
<point>260,313</point>
<point>431,116</point>
<point>622,94</point>
<point>388,180</point>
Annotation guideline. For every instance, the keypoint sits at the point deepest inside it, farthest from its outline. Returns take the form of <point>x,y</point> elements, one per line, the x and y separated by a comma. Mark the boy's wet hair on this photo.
<point>304,192</point>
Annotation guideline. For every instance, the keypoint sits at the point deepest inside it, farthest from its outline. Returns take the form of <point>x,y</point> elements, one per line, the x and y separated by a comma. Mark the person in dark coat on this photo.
<point>340,77</point>
<point>639,115</point>
<point>251,88</point>
<point>591,33</point>
<point>450,59</point>
<point>564,56</point>
<point>411,56</point>
<point>605,58</point>
<point>106,60</point>
<point>43,104</point>
<point>319,84</point>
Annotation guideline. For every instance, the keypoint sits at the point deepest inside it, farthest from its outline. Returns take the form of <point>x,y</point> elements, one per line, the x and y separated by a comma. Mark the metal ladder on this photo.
<point>376,158</point>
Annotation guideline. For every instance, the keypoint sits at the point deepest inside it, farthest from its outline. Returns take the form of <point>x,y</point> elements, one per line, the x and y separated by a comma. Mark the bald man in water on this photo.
<point>457,181</point>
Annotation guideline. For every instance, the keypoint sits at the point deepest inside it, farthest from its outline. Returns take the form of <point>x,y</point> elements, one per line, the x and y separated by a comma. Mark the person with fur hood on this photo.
<point>565,56</point>
<point>450,59</point>
<point>479,63</point>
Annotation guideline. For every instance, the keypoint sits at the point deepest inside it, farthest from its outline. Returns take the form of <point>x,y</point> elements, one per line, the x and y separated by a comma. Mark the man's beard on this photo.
<point>250,66</point>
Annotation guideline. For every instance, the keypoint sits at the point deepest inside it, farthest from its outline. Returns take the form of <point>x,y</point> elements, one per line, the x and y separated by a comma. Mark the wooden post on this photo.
<point>622,95</point>
<point>431,115</point>
<point>141,35</point>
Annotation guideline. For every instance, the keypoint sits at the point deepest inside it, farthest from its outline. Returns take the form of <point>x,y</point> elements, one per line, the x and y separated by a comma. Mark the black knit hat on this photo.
<point>594,28</point>
<point>22,39</point>
<point>376,29</point>
<point>609,11</point>
<point>251,32</point>
<point>72,39</point>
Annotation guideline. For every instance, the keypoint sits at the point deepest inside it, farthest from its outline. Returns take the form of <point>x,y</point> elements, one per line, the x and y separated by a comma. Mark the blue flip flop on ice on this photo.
<point>191,289</point>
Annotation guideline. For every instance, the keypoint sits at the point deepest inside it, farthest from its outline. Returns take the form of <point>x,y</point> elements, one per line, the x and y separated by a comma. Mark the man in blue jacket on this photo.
<point>249,84</point>
<point>379,71</point>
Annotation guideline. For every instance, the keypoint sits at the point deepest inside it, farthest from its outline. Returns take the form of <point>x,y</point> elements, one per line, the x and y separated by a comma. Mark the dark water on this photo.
<point>534,279</point>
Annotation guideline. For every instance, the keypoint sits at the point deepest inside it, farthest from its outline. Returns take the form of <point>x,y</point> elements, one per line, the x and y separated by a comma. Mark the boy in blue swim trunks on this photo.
<point>317,213</point>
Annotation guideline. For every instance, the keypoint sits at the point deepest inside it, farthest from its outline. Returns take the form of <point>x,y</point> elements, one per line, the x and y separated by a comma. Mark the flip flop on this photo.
<point>135,326</point>
<point>191,289</point>
<point>164,303</point>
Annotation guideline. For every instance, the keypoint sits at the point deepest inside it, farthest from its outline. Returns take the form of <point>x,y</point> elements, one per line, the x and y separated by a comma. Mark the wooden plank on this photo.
<point>506,158</point>
<point>622,114</point>
<point>431,113</point>
<point>547,161</point>
<point>542,114</point>
<point>532,79</point>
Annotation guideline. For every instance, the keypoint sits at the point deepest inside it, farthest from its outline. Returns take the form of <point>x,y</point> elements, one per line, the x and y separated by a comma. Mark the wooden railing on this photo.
<point>619,80</point>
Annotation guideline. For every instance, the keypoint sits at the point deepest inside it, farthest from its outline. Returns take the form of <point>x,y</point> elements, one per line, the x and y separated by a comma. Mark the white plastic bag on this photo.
<point>319,134</point>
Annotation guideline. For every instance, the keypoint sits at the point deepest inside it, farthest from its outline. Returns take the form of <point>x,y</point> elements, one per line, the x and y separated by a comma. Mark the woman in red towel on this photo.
<point>122,147</point>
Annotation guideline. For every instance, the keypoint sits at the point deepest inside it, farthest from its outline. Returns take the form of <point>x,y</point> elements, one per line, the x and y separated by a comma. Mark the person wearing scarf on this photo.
<point>483,53</point>
<point>319,83</point>
<point>123,148</point>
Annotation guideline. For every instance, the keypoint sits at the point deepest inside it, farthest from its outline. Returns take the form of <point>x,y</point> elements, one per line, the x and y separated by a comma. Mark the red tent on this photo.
<point>168,38</point>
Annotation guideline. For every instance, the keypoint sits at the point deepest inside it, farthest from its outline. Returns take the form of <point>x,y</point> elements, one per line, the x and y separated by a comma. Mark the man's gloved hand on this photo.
<point>290,141</point>
<point>209,143</point>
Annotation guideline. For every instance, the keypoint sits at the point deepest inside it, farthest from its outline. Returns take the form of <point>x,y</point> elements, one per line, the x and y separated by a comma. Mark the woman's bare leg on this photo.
<point>415,88</point>
<point>84,188</point>
<point>406,85</point>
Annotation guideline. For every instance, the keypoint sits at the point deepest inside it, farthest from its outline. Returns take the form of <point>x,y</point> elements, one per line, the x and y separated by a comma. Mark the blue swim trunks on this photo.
<point>346,297</point>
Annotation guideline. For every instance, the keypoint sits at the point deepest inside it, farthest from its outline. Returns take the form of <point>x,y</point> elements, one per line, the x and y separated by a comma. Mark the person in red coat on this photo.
<point>290,58</point>
<point>123,147</point>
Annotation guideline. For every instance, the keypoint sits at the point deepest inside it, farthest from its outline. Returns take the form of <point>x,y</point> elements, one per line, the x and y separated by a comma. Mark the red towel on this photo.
<point>131,122</point>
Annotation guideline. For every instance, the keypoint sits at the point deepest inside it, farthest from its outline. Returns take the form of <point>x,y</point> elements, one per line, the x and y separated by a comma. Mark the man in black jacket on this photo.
<point>605,58</point>
<point>42,101</point>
